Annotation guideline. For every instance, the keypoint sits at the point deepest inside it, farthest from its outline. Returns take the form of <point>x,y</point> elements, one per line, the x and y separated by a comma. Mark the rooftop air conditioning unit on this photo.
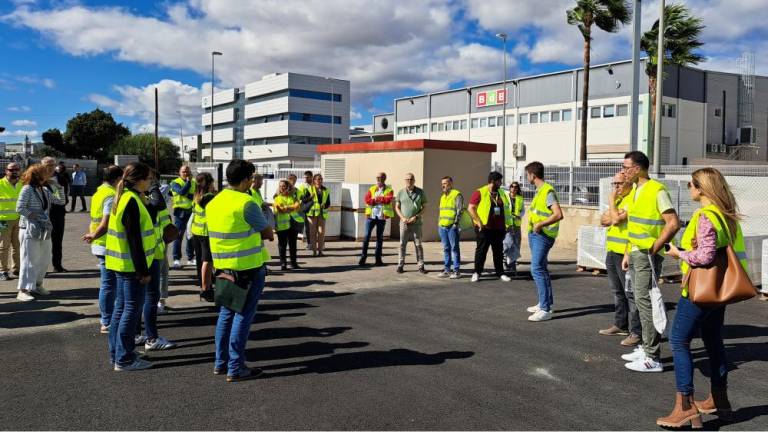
<point>723,148</point>
<point>747,135</point>
<point>518,149</point>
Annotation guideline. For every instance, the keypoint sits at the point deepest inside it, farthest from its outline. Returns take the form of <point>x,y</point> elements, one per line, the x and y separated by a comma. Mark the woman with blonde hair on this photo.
<point>713,226</point>
<point>289,222</point>
<point>35,228</point>
<point>318,214</point>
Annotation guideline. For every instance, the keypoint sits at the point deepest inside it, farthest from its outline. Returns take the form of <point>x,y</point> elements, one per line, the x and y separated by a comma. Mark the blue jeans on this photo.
<point>107,288</point>
<point>232,328</point>
<point>122,328</point>
<point>540,246</point>
<point>370,224</point>
<point>180,219</point>
<point>151,297</point>
<point>449,237</point>
<point>688,319</point>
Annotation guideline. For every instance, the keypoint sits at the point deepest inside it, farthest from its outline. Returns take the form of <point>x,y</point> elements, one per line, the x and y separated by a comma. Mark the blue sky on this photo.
<point>62,57</point>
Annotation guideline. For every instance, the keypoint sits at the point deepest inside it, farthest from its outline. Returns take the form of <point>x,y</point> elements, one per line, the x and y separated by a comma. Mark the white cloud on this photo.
<point>20,134</point>
<point>22,108</point>
<point>24,123</point>
<point>33,80</point>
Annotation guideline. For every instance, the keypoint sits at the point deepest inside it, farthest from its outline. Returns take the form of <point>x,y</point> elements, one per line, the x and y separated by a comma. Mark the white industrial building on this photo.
<point>276,121</point>
<point>706,115</point>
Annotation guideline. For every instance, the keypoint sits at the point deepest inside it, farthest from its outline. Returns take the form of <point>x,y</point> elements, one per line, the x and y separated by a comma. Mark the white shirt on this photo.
<point>378,209</point>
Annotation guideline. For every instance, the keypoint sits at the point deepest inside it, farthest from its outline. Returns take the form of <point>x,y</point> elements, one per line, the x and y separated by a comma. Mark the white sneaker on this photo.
<point>137,364</point>
<point>176,265</point>
<point>192,262</point>
<point>533,309</point>
<point>455,275</point>
<point>645,364</point>
<point>24,296</point>
<point>505,278</point>
<point>161,308</point>
<point>540,315</point>
<point>159,344</point>
<point>42,291</point>
<point>475,277</point>
<point>444,274</point>
<point>636,354</point>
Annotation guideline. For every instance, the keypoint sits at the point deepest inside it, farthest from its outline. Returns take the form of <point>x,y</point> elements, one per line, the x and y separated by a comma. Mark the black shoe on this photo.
<point>246,373</point>
<point>207,295</point>
<point>295,266</point>
<point>361,263</point>
<point>380,263</point>
<point>284,267</point>
<point>422,270</point>
<point>60,269</point>
<point>219,371</point>
<point>400,269</point>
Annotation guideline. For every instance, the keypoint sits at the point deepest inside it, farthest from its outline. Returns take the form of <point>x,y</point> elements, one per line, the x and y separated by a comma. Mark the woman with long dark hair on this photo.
<point>203,195</point>
<point>289,222</point>
<point>715,225</point>
<point>34,205</point>
<point>130,251</point>
<point>318,214</point>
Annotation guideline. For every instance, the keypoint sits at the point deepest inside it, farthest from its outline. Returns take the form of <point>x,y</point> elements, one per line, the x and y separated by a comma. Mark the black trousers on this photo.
<point>57,214</point>
<point>287,239</point>
<point>493,239</point>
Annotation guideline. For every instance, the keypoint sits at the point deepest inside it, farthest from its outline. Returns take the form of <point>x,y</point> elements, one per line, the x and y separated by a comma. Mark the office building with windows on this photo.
<point>706,115</point>
<point>277,120</point>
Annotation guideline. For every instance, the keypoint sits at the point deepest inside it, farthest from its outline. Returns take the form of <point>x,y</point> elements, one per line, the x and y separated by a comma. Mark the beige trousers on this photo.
<point>9,238</point>
<point>316,233</point>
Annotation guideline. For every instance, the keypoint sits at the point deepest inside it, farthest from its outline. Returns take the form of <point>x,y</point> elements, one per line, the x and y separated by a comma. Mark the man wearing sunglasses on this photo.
<point>626,319</point>
<point>10,187</point>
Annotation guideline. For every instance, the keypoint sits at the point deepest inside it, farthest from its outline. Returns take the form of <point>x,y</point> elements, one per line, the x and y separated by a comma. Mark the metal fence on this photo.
<point>575,183</point>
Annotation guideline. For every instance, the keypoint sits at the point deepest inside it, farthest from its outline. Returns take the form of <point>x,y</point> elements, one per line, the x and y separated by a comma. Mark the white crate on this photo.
<point>591,251</point>
<point>333,224</point>
<point>269,189</point>
<point>353,195</point>
<point>353,225</point>
<point>754,247</point>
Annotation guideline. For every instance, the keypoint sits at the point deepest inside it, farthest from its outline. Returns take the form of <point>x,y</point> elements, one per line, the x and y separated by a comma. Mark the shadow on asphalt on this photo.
<point>39,318</point>
<point>286,294</point>
<point>210,320</point>
<point>74,274</point>
<point>36,305</point>
<point>297,284</point>
<point>741,415</point>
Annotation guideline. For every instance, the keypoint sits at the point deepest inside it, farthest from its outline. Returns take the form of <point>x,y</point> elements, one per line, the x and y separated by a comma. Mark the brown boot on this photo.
<point>682,414</point>
<point>716,403</point>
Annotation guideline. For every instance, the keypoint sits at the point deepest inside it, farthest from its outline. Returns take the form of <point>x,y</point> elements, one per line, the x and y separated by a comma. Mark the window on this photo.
<point>308,94</point>
<point>456,125</point>
<point>510,120</point>
<point>609,111</point>
<point>412,129</point>
<point>718,112</point>
<point>463,125</point>
<point>622,110</point>
<point>400,130</point>
<point>594,112</point>
<point>448,126</point>
<point>424,128</point>
<point>483,122</point>
<point>473,123</point>
<point>534,118</point>
<point>567,115</point>
<point>579,111</point>
<point>523,119</point>
<point>434,127</point>
<point>440,127</point>
<point>500,121</point>
<point>544,117</point>
<point>555,116</point>
<point>671,110</point>
<point>491,121</point>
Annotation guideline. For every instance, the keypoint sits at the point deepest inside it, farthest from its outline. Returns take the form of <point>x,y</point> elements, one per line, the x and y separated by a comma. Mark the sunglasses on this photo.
<point>12,170</point>
<point>692,185</point>
<point>617,184</point>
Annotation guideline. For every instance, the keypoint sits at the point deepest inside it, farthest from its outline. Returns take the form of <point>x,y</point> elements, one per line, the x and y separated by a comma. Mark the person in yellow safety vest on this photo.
<point>544,216</point>
<point>626,319</point>
<point>303,192</point>
<point>378,208</point>
<point>130,251</point>
<point>10,187</point>
<point>237,228</point>
<point>451,206</point>
<point>712,227</point>
<point>257,180</point>
<point>204,263</point>
<point>489,208</point>
<point>156,206</point>
<point>289,222</point>
<point>318,214</point>
<point>183,191</point>
<point>514,236</point>
<point>651,223</point>
<point>101,207</point>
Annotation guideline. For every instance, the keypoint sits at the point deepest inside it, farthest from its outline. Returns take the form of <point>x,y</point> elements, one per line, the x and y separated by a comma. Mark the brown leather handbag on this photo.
<point>724,281</point>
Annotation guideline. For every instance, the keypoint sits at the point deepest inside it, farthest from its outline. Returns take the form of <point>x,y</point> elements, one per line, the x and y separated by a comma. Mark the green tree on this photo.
<point>53,139</point>
<point>607,15</point>
<point>90,135</point>
<point>142,145</point>
<point>46,150</point>
<point>681,39</point>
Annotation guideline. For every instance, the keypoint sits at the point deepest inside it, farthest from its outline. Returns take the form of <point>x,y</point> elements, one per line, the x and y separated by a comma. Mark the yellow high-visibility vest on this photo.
<point>162,220</point>
<point>539,211</point>
<point>713,213</point>
<point>257,198</point>
<point>644,220</point>
<point>181,201</point>
<point>318,208</point>
<point>102,193</point>
<point>198,222</point>
<point>234,243</point>
<point>386,209</point>
<point>447,215</point>
<point>9,194</point>
<point>283,220</point>
<point>616,240</point>
<point>484,208</point>
<point>518,209</point>
<point>118,254</point>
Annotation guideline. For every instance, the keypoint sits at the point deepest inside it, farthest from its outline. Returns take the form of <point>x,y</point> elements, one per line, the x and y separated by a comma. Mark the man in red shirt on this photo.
<point>378,208</point>
<point>489,208</point>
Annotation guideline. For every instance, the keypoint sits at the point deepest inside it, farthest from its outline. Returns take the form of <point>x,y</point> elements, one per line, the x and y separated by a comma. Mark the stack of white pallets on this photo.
<point>591,251</point>
<point>353,211</point>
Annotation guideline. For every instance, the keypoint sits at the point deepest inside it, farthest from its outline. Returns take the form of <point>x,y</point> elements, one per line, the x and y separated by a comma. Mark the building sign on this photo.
<point>490,98</point>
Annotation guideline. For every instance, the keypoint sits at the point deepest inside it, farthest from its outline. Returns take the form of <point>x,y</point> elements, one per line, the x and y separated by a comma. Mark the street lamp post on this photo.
<point>633,121</point>
<point>503,37</point>
<point>213,55</point>
<point>333,101</point>
<point>181,135</point>
<point>659,95</point>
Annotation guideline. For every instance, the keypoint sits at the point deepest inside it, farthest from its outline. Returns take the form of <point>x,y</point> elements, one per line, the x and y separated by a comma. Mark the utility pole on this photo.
<point>157,159</point>
<point>659,95</point>
<point>633,120</point>
<point>503,37</point>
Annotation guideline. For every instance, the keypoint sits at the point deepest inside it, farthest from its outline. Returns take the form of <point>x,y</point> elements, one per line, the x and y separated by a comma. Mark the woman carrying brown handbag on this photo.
<point>711,228</point>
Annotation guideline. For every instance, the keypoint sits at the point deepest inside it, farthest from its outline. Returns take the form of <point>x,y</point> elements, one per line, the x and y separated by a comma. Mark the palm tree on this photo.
<point>607,15</point>
<point>681,38</point>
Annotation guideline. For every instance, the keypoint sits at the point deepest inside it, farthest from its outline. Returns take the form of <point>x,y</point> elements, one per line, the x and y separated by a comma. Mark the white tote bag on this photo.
<point>657,301</point>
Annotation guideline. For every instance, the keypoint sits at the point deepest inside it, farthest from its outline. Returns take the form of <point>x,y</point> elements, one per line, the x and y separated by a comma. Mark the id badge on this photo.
<point>497,211</point>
